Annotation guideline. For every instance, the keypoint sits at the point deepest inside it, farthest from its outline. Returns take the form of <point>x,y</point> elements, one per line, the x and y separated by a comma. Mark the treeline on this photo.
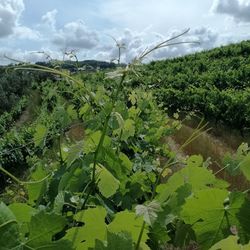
<point>215,83</point>
<point>75,66</point>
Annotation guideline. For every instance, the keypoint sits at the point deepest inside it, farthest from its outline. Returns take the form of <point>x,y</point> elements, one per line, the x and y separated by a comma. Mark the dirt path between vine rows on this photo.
<point>213,146</point>
<point>29,112</point>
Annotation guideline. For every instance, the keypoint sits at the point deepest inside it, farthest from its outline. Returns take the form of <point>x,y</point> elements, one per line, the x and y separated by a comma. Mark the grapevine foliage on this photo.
<point>114,185</point>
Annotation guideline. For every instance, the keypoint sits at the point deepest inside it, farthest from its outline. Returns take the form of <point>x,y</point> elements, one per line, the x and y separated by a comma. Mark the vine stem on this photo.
<point>99,146</point>
<point>60,151</point>
<point>106,128</point>
<point>10,175</point>
<point>22,182</point>
<point>140,236</point>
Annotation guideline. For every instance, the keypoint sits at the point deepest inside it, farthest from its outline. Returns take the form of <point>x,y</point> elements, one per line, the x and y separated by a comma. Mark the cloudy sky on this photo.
<point>29,27</point>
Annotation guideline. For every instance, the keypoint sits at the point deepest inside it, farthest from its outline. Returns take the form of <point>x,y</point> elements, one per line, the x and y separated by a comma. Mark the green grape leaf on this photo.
<point>93,140</point>
<point>59,202</point>
<point>133,97</point>
<point>175,202</point>
<point>23,214</point>
<point>183,235</point>
<point>212,212</point>
<point>195,161</point>
<point>197,177</point>
<point>245,166</point>
<point>94,228</point>
<point>40,135</point>
<point>159,234</point>
<point>106,182</point>
<point>115,241</point>
<point>9,234</point>
<point>73,179</point>
<point>36,190</point>
<point>60,244</point>
<point>22,211</point>
<point>149,211</point>
<point>230,243</point>
<point>91,215</point>
<point>74,152</point>
<point>176,116</point>
<point>72,112</point>
<point>61,116</point>
<point>242,150</point>
<point>64,151</point>
<point>128,129</point>
<point>119,119</point>
<point>243,216</point>
<point>84,109</point>
<point>126,221</point>
<point>43,226</point>
<point>125,161</point>
<point>133,112</point>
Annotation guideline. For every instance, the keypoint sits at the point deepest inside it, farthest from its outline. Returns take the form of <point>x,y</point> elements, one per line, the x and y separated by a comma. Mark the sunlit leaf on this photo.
<point>36,190</point>
<point>125,161</point>
<point>115,241</point>
<point>59,202</point>
<point>128,222</point>
<point>230,243</point>
<point>22,211</point>
<point>197,177</point>
<point>213,212</point>
<point>106,182</point>
<point>132,97</point>
<point>195,161</point>
<point>242,149</point>
<point>40,135</point>
<point>94,228</point>
<point>84,109</point>
<point>128,130</point>
<point>92,141</point>
<point>245,166</point>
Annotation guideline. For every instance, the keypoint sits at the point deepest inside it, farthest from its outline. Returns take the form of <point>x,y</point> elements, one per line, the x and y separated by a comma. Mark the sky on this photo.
<point>35,30</point>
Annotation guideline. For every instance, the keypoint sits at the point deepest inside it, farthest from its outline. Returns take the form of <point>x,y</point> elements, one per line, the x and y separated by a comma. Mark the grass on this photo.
<point>213,146</point>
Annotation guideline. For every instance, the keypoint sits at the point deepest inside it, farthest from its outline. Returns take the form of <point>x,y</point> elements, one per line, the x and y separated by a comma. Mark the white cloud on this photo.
<point>50,18</point>
<point>23,32</point>
<point>133,42</point>
<point>206,36</point>
<point>239,10</point>
<point>56,30</point>
<point>136,43</point>
<point>10,11</point>
<point>162,15</point>
<point>76,35</point>
<point>28,55</point>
